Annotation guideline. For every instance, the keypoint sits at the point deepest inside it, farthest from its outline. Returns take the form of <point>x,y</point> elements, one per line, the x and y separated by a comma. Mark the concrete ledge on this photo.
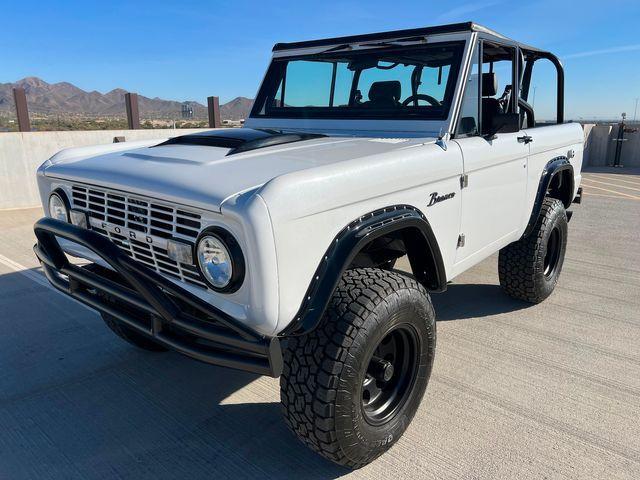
<point>21,153</point>
<point>600,147</point>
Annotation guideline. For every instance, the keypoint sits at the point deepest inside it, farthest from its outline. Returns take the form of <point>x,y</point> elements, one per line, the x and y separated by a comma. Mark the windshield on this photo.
<point>390,82</point>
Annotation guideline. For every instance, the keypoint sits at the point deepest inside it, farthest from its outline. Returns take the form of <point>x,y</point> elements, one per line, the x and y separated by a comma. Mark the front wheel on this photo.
<point>129,335</point>
<point>529,268</point>
<point>350,388</point>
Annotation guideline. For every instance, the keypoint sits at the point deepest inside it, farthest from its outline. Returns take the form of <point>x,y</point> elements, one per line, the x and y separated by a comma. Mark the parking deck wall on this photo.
<point>22,152</point>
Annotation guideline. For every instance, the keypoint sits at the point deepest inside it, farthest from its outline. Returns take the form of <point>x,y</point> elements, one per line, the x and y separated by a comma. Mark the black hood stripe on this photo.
<point>239,139</point>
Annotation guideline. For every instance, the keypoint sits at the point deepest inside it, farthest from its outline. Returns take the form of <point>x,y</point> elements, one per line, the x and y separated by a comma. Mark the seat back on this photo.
<point>385,94</point>
<point>490,105</point>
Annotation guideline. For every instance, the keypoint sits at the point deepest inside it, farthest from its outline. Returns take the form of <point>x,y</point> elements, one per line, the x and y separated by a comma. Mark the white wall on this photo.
<point>22,152</point>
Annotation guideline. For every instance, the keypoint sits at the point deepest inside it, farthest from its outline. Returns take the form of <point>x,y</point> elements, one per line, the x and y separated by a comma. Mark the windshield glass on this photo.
<point>391,82</point>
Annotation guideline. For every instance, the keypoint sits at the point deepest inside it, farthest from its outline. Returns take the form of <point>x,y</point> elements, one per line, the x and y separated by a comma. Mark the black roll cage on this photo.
<point>526,79</point>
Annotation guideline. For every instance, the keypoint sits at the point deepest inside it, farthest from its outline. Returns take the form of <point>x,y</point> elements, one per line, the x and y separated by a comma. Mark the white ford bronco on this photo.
<point>271,248</point>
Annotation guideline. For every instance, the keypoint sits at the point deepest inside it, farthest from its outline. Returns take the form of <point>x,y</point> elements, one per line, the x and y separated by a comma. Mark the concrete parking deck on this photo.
<point>518,391</point>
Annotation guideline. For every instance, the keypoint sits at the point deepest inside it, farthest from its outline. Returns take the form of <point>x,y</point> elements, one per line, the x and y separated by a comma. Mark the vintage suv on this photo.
<point>271,248</point>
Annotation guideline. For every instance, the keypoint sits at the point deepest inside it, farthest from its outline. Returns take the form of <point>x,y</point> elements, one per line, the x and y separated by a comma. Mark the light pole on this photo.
<point>635,111</point>
<point>533,100</point>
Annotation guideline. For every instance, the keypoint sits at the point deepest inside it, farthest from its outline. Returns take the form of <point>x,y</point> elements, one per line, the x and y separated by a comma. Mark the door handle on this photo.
<point>525,139</point>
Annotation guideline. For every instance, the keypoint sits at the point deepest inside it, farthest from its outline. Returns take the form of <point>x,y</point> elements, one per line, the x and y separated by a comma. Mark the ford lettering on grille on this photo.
<point>141,227</point>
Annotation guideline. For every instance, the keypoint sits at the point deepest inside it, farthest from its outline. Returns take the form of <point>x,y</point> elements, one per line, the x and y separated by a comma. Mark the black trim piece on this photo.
<point>404,35</point>
<point>152,305</point>
<point>551,169</point>
<point>578,198</point>
<point>237,258</point>
<point>532,56</point>
<point>224,138</point>
<point>345,247</point>
<point>279,139</point>
<point>240,139</point>
<point>414,32</point>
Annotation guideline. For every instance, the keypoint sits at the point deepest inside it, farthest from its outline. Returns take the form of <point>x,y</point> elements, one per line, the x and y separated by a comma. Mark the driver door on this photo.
<point>495,166</point>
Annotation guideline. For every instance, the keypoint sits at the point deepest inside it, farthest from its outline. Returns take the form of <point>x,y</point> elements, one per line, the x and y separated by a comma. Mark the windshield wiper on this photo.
<point>380,44</point>
<point>396,43</point>
<point>337,48</point>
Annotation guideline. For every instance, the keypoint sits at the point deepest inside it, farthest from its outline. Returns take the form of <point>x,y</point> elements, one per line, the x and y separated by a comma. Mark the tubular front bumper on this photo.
<point>147,302</point>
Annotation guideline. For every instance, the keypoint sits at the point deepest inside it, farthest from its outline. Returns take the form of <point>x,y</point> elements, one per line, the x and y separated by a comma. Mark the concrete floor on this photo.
<point>518,391</point>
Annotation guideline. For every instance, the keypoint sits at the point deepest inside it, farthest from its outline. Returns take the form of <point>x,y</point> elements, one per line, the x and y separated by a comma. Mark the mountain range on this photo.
<point>66,99</point>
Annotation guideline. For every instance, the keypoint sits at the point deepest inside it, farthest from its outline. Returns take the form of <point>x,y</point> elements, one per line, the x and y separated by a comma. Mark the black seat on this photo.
<point>384,94</point>
<point>490,105</point>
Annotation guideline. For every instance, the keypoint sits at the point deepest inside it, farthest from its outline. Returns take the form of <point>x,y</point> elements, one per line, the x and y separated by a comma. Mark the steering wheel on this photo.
<point>421,96</point>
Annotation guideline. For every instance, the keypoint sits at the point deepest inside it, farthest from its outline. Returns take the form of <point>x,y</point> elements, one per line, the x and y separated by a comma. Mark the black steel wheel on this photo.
<point>552,254</point>
<point>390,374</point>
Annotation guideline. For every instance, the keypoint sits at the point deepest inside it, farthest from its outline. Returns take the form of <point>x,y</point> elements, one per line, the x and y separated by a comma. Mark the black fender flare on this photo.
<point>343,249</point>
<point>551,169</point>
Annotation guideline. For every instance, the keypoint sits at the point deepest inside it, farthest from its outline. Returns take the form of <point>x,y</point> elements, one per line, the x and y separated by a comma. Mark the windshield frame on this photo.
<point>273,76</point>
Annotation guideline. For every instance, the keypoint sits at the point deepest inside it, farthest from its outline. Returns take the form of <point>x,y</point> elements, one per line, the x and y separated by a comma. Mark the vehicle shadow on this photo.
<point>463,301</point>
<point>78,402</point>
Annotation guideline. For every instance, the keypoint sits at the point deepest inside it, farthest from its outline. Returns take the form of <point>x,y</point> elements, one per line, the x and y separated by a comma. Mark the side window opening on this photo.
<point>469,123</point>
<point>498,75</point>
<point>540,92</point>
<point>489,89</point>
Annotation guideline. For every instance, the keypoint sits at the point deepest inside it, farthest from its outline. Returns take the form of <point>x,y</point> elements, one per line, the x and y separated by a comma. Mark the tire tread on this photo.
<point>519,262</point>
<point>313,362</point>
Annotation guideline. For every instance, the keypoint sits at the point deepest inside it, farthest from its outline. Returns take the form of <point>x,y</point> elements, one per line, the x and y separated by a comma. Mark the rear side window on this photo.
<point>543,92</point>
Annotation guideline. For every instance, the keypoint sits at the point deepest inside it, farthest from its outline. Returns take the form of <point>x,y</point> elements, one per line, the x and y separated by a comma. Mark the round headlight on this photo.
<point>220,260</point>
<point>58,207</point>
<point>215,261</point>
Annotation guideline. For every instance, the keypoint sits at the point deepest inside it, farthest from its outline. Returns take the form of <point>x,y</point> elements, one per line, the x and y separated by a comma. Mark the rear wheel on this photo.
<point>529,268</point>
<point>350,388</point>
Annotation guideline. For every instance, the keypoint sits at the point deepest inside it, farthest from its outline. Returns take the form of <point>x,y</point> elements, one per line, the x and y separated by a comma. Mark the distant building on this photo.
<point>187,110</point>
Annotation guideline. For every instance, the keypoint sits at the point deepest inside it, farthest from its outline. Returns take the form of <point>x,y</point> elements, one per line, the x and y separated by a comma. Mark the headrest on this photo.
<point>489,84</point>
<point>385,91</point>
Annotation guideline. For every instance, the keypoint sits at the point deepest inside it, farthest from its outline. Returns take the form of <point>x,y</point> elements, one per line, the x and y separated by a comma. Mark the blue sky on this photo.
<point>187,50</point>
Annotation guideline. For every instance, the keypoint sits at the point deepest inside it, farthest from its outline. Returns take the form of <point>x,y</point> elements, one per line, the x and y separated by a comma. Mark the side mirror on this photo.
<point>504,123</point>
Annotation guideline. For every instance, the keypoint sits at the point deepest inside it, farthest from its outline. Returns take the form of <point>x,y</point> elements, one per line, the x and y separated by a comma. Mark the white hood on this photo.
<point>205,176</point>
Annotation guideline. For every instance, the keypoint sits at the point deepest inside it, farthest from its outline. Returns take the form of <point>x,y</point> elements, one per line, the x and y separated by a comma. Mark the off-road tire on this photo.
<point>523,266</point>
<point>321,387</point>
<point>130,335</point>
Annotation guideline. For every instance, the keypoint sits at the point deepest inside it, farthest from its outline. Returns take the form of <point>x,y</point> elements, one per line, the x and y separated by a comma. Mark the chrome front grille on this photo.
<point>141,226</point>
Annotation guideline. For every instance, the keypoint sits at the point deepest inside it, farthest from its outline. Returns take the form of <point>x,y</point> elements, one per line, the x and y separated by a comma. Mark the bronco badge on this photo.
<point>435,198</point>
